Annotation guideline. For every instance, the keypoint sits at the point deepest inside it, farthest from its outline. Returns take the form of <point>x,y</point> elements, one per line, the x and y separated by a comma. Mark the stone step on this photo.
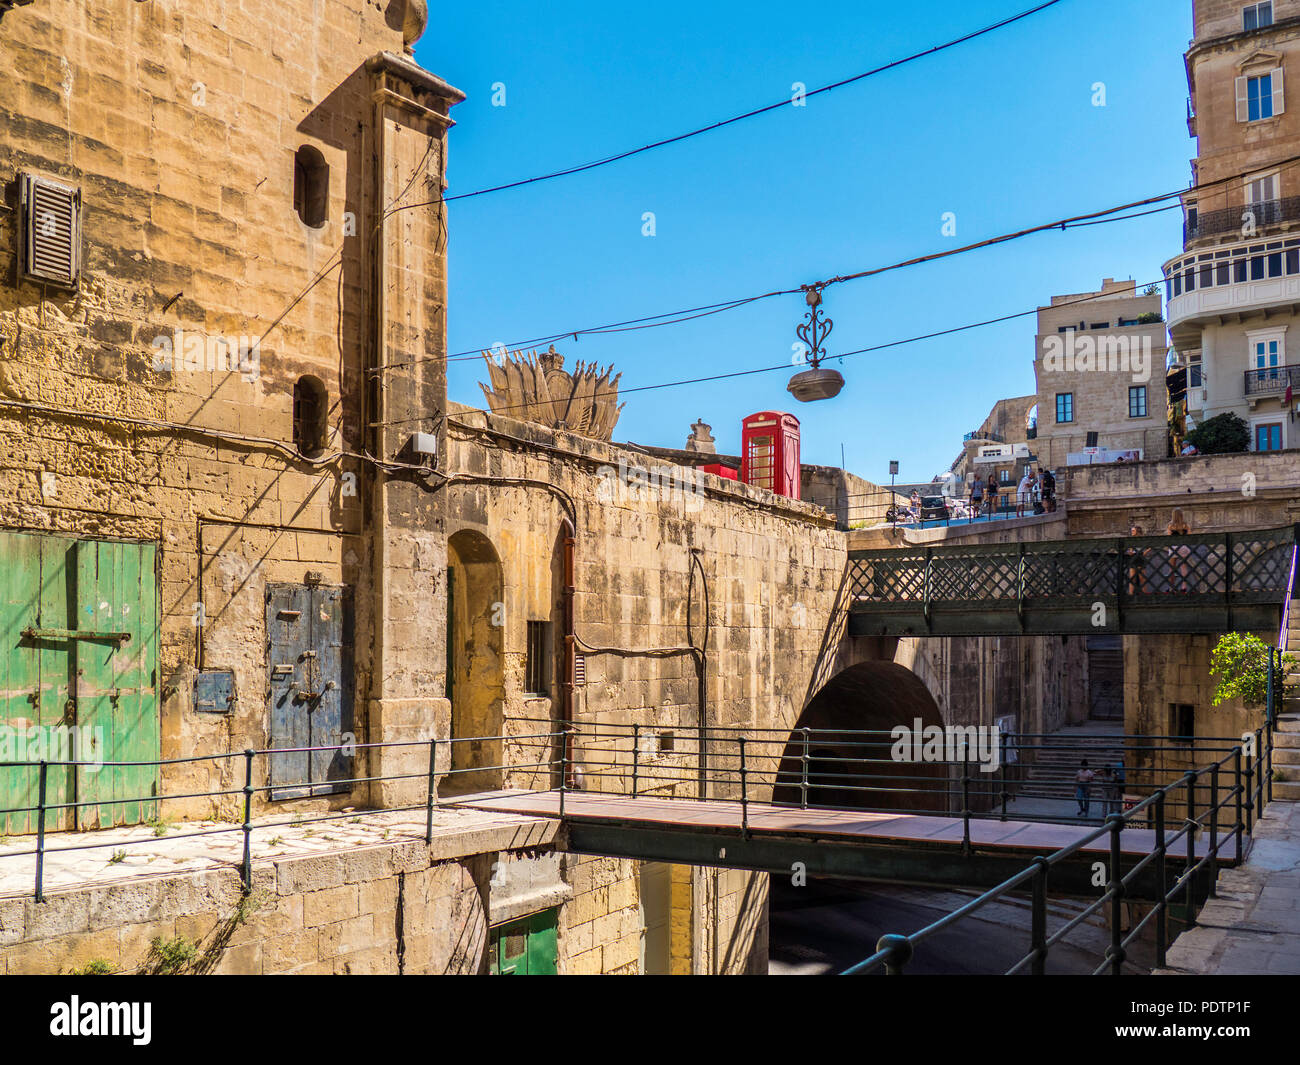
<point>1285,739</point>
<point>1288,723</point>
<point>1286,756</point>
<point>1287,789</point>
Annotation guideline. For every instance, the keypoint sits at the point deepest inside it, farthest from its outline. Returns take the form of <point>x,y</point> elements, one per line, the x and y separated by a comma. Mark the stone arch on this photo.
<point>475,661</point>
<point>875,697</point>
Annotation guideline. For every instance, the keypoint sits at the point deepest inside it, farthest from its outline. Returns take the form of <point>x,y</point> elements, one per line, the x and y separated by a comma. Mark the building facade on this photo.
<point>1100,368</point>
<point>1233,290</point>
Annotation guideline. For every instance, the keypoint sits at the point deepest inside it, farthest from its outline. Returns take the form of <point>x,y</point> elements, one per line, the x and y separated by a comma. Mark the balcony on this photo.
<point>1266,213</point>
<point>1231,281</point>
<point>1272,381</point>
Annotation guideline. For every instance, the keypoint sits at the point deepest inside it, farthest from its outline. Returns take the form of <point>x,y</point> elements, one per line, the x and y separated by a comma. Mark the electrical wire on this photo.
<point>689,134</point>
<point>1099,217</point>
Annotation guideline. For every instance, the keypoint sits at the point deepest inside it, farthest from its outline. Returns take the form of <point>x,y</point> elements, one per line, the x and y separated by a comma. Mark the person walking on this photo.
<point>1180,555</point>
<point>992,493</point>
<point>1082,785</point>
<point>1137,564</point>
<point>1049,491</point>
<point>976,497</point>
<point>1023,492</point>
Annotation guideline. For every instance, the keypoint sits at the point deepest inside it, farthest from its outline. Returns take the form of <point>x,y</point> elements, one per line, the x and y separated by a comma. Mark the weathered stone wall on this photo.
<point>386,909</point>
<point>179,123</point>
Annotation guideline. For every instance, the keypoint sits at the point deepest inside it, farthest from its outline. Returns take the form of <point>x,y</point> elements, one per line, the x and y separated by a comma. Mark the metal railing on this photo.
<point>1234,219</point>
<point>1251,567</point>
<point>246,762</point>
<point>1271,380</point>
<point>870,509</point>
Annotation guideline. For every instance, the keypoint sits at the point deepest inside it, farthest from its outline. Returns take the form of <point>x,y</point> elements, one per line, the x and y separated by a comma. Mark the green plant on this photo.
<point>119,855</point>
<point>1223,434</point>
<point>171,956</point>
<point>1239,662</point>
<point>94,967</point>
<point>159,825</point>
<point>255,900</point>
<point>1149,317</point>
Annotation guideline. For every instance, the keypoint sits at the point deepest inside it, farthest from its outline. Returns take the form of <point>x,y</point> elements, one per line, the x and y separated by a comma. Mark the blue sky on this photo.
<point>1001,131</point>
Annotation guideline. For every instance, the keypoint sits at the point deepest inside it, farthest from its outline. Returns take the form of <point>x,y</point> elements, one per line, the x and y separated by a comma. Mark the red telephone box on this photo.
<point>769,452</point>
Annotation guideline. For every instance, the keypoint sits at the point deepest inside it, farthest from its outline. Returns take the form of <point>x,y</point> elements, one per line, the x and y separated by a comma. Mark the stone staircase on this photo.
<point>1051,775</point>
<point>1286,736</point>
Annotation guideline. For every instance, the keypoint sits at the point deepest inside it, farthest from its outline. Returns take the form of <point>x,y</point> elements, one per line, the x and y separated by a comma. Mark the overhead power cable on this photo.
<point>1106,215</point>
<point>786,102</point>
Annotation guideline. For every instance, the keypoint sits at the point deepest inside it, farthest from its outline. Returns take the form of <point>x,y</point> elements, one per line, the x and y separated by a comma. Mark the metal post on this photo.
<point>247,872</point>
<point>803,786</point>
<point>428,804</point>
<point>1162,907</point>
<point>1191,847</point>
<point>1268,756</point>
<point>965,800</point>
<point>1003,767</point>
<point>1038,933</point>
<point>564,768</point>
<point>1236,775</point>
<point>1214,830</point>
<point>636,756</point>
<point>1251,759</point>
<point>40,830</point>
<point>1116,888</point>
<point>744,801</point>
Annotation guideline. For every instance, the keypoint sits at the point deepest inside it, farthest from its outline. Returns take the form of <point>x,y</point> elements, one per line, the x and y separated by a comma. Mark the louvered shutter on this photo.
<point>1243,106</point>
<point>1279,101</point>
<point>51,230</point>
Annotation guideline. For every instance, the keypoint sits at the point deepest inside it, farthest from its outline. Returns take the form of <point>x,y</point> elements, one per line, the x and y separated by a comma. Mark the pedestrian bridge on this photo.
<point>1156,584</point>
<point>938,850</point>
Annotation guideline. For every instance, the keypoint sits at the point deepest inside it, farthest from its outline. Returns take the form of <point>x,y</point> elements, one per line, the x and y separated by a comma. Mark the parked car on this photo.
<point>933,508</point>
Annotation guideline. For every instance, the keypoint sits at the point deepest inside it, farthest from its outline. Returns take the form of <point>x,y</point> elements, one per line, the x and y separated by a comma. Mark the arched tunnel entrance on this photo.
<point>848,769</point>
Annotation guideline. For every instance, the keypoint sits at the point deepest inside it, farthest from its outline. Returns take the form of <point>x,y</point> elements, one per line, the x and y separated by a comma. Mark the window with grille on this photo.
<point>537,667</point>
<point>50,230</point>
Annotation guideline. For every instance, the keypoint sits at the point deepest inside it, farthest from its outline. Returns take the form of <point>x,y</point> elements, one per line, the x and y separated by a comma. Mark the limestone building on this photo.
<point>1233,290</point>
<point>1100,369</point>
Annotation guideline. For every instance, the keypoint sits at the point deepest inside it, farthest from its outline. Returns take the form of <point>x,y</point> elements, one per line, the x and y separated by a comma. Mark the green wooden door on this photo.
<point>526,947</point>
<point>116,701</point>
<point>67,690</point>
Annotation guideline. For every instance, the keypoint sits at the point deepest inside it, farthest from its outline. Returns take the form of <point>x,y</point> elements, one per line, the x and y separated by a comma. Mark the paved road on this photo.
<point>829,925</point>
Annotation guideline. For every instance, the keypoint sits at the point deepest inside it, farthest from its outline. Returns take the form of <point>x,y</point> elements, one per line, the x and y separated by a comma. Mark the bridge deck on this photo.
<point>723,817</point>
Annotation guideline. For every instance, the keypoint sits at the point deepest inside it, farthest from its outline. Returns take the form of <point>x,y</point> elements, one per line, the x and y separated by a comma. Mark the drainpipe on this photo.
<point>570,646</point>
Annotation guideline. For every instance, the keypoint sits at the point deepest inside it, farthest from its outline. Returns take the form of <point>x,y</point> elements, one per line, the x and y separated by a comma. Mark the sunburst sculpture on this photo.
<point>536,388</point>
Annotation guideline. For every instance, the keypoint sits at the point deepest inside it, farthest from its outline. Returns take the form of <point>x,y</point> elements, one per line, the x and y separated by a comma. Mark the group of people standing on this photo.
<point>1110,784</point>
<point>1036,491</point>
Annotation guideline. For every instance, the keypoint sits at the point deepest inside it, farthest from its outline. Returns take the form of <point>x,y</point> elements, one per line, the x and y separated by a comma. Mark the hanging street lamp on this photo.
<point>816,383</point>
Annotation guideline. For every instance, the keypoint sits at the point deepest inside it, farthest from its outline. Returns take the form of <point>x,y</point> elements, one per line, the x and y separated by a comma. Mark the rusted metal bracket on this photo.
<point>32,633</point>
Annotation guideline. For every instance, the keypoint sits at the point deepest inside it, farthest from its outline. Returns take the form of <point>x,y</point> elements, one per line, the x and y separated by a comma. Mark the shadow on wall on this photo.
<point>854,771</point>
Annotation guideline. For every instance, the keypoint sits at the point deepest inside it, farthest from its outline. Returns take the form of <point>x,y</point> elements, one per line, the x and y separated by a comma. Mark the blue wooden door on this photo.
<point>309,646</point>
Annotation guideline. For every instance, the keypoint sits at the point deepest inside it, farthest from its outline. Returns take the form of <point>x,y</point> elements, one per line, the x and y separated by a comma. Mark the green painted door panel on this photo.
<point>526,947</point>
<point>115,700</point>
<point>51,684</point>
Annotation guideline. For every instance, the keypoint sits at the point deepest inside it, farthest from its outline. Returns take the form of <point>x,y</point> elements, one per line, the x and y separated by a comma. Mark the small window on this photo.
<point>50,245</point>
<point>310,403</point>
<point>1259,96</point>
<point>1099,325</point>
<point>1137,401</point>
<point>1257,16</point>
<point>1268,437</point>
<point>1182,722</point>
<point>311,186</point>
<point>537,668</point>
<point>1064,407</point>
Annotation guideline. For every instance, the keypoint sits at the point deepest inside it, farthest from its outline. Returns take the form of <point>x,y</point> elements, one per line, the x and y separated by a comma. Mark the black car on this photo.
<point>933,508</point>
